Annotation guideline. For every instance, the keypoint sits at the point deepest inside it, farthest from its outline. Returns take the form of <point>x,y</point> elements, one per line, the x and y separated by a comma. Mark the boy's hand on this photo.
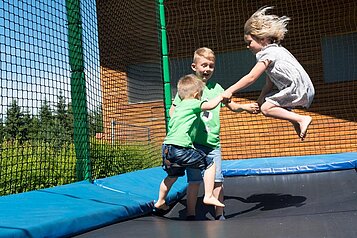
<point>251,108</point>
<point>226,97</point>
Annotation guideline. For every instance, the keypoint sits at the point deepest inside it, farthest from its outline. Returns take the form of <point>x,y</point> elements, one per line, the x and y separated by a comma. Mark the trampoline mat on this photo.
<point>320,204</point>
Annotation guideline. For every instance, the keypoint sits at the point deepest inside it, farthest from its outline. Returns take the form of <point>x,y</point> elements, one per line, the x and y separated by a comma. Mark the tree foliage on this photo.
<point>51,124</point>
<point>17,123</point>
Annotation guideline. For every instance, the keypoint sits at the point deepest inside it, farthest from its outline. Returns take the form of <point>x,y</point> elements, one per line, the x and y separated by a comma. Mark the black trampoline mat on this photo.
<point>293,205</point>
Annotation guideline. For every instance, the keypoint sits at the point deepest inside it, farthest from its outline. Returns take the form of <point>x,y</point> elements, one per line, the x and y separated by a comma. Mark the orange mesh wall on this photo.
<point>129,36</point>
<point>219,26</point>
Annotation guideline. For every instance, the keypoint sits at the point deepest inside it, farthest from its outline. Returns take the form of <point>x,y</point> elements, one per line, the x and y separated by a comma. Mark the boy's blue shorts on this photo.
<point>175,160</point>
<point>195,175</point>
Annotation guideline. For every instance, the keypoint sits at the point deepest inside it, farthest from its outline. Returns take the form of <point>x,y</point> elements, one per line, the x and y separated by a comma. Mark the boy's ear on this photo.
<point>193,67</point>
<point>196,95</point>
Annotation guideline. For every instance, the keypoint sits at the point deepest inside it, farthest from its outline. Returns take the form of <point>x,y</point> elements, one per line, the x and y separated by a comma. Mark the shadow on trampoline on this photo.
<point>268,201</point>
<point>262,202</point>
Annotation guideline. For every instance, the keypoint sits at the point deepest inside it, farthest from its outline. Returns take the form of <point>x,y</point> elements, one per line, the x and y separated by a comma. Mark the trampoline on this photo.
<point>311,196</point>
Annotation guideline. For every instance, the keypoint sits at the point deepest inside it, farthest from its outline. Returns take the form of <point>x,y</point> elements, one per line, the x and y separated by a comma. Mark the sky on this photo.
<point>34,53</point>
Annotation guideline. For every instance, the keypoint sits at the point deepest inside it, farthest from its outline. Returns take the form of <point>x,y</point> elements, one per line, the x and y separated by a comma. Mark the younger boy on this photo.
<point>178,152</point>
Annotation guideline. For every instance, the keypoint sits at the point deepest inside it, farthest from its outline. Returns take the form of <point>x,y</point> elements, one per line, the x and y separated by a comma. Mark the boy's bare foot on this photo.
<point>304,125</point>
<point>212,201</point>
<point>161,209</point>
<point>161,206</point>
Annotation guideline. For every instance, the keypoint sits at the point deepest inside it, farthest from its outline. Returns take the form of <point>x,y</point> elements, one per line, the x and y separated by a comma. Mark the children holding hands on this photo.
<point>192,141</point>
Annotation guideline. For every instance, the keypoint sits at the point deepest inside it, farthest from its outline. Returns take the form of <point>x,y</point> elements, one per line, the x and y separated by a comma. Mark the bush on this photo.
<point>26,166</point>
<point>36,165</point>
<point>108,160</point>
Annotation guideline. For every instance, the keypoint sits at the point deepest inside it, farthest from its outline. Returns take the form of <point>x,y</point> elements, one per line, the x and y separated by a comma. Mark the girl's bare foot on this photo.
<point>304,125</point>
<point>212,201</point>
<point>297,128</point>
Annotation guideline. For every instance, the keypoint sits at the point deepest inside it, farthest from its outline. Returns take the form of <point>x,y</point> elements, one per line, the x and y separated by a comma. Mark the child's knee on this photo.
<point>264,109</point>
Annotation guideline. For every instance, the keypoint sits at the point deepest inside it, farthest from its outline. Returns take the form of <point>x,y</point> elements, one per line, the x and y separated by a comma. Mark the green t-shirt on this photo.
<point>183,125</point>
<point>209,129</point>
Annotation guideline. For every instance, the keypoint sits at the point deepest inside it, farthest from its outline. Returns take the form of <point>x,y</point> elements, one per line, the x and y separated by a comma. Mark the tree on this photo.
<point>17,123</point>
<point>61,108</point>
<point>34,128</point>
<point>45,114</point>
<point>2,132</point>
<point>64,114</point>
<point>96,121</point>
<point>45,117</point>
<point>63,121</point>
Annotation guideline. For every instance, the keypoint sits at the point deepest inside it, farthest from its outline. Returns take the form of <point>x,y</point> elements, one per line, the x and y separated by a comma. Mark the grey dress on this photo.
<point>295,88</point>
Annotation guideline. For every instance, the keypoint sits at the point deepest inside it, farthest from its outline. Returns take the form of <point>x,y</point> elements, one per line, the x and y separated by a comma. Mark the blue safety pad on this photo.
<point>144,184</point>
<point>286,165</point>
<point>64,211</point>
<point>70,209</point>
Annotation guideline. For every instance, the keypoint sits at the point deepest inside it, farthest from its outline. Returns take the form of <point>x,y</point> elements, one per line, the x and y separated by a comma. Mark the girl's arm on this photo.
<point>265,90</point>
<point>250,78</point>
<point>211,104</point>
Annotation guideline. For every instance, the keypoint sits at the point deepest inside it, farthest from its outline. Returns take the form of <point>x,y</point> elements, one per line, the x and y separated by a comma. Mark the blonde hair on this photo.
<point>262,26</point>
<point>188,85</point>
<point>204,52</point>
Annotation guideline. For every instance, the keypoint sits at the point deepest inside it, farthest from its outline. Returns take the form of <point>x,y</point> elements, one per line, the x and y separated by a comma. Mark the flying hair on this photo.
<point>262,26</point>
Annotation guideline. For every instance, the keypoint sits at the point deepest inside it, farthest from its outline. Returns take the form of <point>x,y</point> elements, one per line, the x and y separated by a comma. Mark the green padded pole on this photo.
<point>78,90</point>
<point>165,63</point>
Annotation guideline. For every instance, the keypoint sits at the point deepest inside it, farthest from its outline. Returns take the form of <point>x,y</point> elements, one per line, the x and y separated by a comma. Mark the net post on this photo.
<point>78,90</point>
<point>165,63</point>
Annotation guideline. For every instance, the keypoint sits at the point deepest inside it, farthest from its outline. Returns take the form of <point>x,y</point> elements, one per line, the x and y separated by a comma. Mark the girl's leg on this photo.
<point>208,180</point>
<point>165,187</point>
<point>300,122</point>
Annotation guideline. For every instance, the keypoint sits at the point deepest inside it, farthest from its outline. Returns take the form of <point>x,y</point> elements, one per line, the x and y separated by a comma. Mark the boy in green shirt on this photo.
<point>178,152</point>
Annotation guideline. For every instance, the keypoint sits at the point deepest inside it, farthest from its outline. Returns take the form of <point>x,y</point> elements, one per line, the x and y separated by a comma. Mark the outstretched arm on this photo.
<point>250,78</point>
<point>211,104</point>
<point>248,107</point>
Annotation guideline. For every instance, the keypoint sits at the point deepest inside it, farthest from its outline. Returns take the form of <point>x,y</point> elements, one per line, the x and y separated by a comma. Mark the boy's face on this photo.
<point>203,67</point>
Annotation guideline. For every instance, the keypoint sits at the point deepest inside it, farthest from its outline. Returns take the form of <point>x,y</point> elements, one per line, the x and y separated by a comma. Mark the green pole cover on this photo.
<point>78,90</point>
